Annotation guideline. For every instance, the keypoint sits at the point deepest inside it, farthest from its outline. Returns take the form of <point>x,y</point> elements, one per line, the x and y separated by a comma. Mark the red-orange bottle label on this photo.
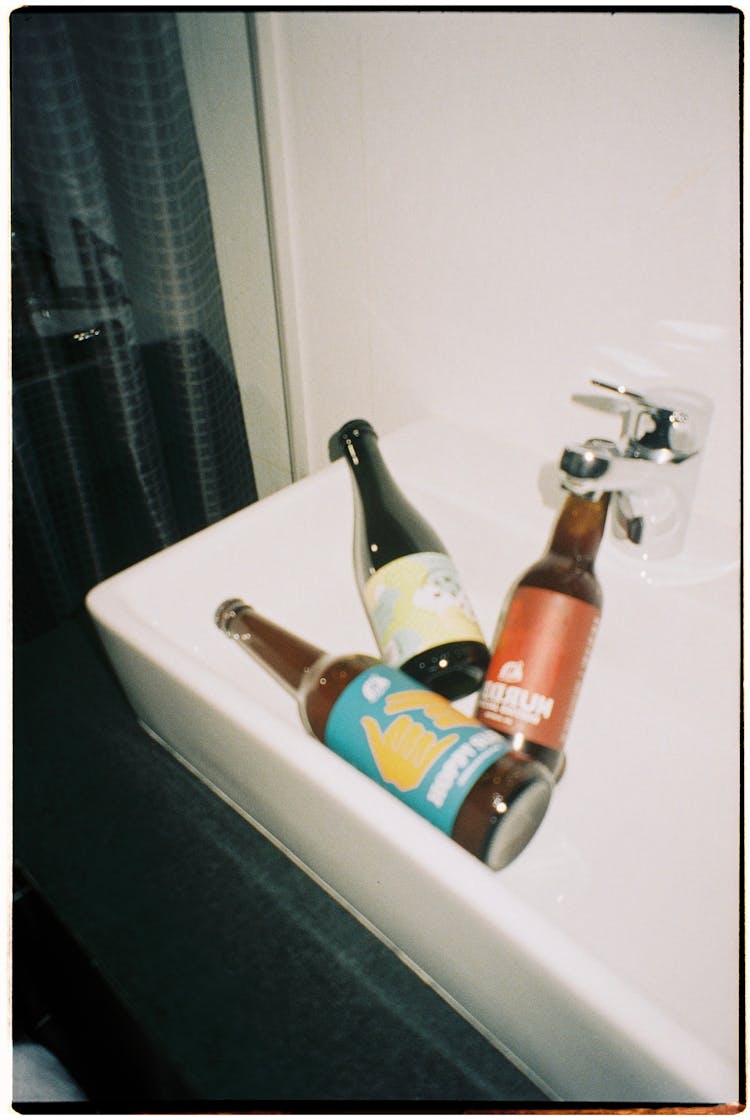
<point>537,666</point>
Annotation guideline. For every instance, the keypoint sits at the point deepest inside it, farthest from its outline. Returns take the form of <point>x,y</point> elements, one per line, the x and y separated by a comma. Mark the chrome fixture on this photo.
<point>650,470</point>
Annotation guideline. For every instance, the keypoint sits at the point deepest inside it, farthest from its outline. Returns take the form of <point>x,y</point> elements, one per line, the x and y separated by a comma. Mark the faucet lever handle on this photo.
<point>650,430</point>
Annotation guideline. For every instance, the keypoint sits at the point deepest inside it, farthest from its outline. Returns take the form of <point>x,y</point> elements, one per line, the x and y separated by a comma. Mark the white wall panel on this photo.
<point>219,73</point>
<point>486,209</point>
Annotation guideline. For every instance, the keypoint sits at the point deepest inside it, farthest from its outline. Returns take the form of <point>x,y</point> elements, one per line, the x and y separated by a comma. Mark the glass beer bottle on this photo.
<point>545,637</point>
<point>462,777</point>
<point>420,615</point>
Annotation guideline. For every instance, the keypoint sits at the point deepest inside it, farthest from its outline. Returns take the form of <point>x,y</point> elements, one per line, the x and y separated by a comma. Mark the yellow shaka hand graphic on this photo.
<point>405,751</point>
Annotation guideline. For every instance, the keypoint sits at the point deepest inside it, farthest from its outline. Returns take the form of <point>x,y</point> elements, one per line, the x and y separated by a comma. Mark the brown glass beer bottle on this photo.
<point>461,776</point>
<point>545,637</point>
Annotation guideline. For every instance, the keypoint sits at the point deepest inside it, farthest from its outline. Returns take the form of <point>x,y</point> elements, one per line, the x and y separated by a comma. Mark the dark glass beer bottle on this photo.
<point>420,616</point>
<point>545,637</point>
<point>459,775</point>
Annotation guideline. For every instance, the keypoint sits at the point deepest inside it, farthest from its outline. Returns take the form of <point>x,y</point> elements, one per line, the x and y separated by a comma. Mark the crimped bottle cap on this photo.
<point>337,442</point>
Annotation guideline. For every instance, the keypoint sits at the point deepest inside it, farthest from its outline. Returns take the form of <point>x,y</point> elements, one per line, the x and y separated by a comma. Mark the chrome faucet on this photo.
<point>650,470</point>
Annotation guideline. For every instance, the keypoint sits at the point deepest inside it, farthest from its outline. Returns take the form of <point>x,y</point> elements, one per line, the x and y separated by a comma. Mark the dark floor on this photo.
<point>62,1002</point>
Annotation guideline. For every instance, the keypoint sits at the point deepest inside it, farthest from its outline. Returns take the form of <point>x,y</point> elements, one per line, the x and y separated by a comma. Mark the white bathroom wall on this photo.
<point>476,212</point>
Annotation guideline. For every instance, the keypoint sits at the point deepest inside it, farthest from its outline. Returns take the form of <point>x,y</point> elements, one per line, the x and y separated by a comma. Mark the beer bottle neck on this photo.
<point>360,448</point>
<point>580,528</point>
<point>285,656</point>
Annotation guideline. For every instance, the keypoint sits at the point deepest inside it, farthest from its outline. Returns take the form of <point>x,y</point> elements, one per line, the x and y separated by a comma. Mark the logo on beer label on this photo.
<point>511,672</point>
<point>373,687</point>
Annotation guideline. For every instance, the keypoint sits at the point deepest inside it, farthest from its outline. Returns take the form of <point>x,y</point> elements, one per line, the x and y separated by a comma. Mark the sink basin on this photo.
<point>605,960</point>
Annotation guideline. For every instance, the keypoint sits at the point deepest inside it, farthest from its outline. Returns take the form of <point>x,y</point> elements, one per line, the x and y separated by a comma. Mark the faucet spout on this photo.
<point>598,465</point>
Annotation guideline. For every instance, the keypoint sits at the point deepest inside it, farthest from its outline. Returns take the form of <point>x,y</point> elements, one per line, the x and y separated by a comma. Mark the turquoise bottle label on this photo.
<point>412,742</point>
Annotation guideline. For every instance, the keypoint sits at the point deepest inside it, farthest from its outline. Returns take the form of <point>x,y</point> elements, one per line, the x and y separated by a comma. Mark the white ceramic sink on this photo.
<point>605,960</point>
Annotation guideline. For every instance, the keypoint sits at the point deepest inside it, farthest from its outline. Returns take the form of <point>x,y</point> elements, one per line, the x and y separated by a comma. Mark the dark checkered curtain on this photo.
<point>127,427</point>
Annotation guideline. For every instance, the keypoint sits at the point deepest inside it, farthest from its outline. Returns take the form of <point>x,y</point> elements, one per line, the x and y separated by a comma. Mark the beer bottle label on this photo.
<point>415,603</point>
<point>412,742</point>
<point>537,666</point>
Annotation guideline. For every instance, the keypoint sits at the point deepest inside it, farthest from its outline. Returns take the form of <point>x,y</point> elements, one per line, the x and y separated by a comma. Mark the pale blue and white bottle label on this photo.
<point>416,603</point>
